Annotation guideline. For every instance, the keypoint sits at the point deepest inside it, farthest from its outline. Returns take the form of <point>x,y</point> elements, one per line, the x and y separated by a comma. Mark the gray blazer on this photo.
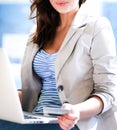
<point>86,65</point>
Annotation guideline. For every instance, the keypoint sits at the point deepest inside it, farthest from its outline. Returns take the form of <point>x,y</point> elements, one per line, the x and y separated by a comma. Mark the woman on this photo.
<point>71,57</point>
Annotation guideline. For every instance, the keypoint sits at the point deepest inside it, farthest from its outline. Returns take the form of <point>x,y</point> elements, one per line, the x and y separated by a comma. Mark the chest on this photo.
<point>56,43</point>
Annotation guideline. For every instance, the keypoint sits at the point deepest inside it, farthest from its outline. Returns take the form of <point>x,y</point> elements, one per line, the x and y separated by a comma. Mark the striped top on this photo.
<point>43,65</point>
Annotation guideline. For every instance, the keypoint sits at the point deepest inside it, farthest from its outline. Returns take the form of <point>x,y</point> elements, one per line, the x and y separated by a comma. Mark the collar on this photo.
<point>81,17</point>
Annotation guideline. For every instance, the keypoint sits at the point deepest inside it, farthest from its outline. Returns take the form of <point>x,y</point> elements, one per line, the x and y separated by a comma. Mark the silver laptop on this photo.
<point>10,107</point>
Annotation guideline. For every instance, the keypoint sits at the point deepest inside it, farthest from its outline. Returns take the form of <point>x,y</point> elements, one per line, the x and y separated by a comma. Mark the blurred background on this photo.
<point>15,27</point>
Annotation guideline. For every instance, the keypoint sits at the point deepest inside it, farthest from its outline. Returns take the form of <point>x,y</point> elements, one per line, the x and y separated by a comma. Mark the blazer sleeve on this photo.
<point>104,59</point>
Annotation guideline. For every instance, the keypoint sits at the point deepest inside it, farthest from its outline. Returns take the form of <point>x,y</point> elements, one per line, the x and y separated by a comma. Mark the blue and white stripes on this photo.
<point>43,65</point>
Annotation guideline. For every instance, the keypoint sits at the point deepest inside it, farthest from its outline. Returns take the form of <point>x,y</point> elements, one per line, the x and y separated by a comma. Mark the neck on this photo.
<point>67,18</point>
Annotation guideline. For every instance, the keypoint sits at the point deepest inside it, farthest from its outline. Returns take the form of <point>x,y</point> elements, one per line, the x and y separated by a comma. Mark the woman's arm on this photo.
<point>89,108</point>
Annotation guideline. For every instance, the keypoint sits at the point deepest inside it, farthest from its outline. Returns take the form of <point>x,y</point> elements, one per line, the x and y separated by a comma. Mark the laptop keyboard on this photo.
<point>31,116</point>
<point>40,118</point>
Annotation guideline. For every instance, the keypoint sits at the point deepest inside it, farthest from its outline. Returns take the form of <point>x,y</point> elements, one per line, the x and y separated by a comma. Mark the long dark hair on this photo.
<point>47,20</point>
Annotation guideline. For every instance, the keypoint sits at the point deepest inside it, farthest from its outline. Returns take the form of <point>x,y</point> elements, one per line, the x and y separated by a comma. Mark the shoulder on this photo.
<point>99,21</point>
<point>96,24</point>
<point>31,34</point>
<point>33,29</point>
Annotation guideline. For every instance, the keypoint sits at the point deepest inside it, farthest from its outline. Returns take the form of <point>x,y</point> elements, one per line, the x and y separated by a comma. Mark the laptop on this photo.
<point>10,107</point>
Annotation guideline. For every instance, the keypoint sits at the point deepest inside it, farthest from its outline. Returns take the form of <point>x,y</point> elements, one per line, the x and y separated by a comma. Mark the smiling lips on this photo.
<point>62,3</point>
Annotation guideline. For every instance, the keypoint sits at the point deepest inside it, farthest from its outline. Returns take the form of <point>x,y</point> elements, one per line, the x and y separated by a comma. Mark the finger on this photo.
<point>65,123</point>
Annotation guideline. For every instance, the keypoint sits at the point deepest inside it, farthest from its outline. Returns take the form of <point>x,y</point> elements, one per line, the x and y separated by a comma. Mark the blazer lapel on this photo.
<point>67,48</point>
<point>77,27</point>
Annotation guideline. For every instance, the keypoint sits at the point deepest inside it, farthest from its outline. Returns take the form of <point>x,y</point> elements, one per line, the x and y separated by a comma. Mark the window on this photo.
<point>14,28</point>
<point>109,9</point>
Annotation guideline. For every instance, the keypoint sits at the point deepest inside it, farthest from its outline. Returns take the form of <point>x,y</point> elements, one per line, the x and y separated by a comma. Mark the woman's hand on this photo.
<point>68,121</point>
